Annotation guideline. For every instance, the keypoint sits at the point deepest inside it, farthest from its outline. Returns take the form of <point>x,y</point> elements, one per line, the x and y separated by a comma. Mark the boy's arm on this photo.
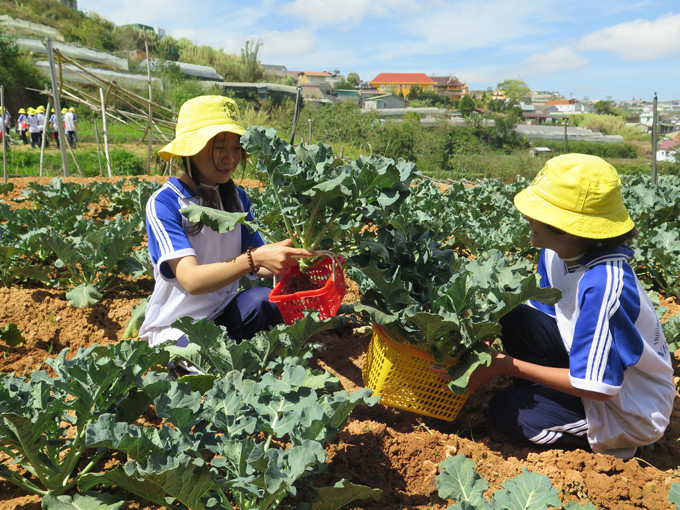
<point>556,378</point>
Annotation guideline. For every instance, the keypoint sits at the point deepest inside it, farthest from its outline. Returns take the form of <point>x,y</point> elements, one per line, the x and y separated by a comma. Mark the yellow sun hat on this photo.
<point>199,120</point>
<point>22,110</point>
<point>579,194</point>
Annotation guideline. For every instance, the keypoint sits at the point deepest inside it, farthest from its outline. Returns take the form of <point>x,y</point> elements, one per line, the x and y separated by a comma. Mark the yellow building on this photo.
<point>401,83</point>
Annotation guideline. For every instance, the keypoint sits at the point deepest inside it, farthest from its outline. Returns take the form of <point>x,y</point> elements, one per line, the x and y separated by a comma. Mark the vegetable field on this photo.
<point>285,422</point>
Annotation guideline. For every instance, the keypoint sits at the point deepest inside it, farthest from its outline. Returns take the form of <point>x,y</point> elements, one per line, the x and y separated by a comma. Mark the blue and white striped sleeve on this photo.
<point>167,238</point>
<point>594,362</point>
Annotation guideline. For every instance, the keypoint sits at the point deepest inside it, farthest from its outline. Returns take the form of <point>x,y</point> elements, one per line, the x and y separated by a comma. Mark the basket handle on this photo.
<point>335,258</point>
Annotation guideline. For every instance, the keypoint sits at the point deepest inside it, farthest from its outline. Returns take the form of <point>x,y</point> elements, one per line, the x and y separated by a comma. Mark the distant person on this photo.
<point>70,127</point>
<point>197,270</point>
<point>595,365</point>
<point>8,121</point>
<point>33,128</point>
<point>22,126</point>
<point>3,135</point>
<point>54,129</point>
<point>40,114</point>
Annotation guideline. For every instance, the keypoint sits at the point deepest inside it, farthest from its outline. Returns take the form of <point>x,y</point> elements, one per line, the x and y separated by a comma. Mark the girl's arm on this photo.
<point>556,378</point>
<point>273,259</point>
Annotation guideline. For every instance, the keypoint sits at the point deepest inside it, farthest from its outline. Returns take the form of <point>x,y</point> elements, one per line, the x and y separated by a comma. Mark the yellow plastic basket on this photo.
<point>400,374</point>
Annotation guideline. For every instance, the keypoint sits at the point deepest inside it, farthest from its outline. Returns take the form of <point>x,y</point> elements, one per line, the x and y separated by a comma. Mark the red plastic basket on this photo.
<point>327,275</point>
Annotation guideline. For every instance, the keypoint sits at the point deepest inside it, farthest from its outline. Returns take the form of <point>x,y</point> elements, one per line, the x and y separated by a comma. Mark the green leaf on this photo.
<point>12,335</point>
<point>117,477</point>
<point>459,481</point>
<point>527,491</point>
<point>84,501</point>
<point>674,495</point>
<point>137,318</point>
<point>341,494</point>
<point>219,221</point>
<point>84,295</point>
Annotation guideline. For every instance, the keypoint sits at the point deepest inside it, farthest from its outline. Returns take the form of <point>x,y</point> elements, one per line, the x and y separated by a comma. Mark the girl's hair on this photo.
<point>615,242</point>
<point>227,192</point>
<point>610,242</point>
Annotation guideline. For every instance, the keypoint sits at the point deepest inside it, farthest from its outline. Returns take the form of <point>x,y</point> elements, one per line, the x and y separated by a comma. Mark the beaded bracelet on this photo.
<point>253,268</point>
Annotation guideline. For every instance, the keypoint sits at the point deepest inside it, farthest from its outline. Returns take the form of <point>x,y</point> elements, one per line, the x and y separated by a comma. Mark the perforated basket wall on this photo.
<point>326,298</point>
<point>400,375</point>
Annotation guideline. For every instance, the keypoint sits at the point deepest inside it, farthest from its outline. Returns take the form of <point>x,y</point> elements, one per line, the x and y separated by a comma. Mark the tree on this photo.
<point>516,91</point>
<point>606,108</point>
<point>466,106</point>
<point>353,79</point>
<point>350,83</point>
<point>252,70</point>
<point>17,73</point>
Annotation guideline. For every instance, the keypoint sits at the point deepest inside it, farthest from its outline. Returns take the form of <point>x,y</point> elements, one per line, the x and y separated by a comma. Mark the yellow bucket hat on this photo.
<point>578,194</point>
<point>199,120</point>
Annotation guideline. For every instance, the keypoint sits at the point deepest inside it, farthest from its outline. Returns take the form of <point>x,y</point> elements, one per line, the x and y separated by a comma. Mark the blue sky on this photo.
<point>596,49</point>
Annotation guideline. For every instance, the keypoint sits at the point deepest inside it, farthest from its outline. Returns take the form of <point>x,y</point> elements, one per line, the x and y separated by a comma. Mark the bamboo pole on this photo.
<point>115,87</point>
<point>43,138</point>
<point>150,124</point>
<point>106,141</point>
<point>655,132</point>
<point>99,153</point>
<point>70,149</point>
<point>57,110</point>
<point>4,133</point>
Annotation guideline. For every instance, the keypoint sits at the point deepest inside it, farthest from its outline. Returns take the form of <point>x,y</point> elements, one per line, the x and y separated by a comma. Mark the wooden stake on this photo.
<point>106,141</point>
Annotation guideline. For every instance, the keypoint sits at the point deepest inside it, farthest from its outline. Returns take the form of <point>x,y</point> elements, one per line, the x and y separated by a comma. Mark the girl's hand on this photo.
<point>278,258</point>
<point>482,374</point>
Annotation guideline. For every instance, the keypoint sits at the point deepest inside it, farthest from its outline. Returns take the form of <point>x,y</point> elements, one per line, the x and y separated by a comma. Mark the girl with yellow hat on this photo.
<point>197,270</point>
<point>597,361</point>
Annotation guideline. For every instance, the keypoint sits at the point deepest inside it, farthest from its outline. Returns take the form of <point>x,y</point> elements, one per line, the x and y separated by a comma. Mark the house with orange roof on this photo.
<point>450,86</point>
<point>565,106</point>
<point>314,78</point>
<point>401,83</point>
<point>668,150</point>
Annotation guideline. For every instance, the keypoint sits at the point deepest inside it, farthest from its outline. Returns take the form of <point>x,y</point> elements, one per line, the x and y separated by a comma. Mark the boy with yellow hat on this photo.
<point>598,359</point>
<point>196,269</point>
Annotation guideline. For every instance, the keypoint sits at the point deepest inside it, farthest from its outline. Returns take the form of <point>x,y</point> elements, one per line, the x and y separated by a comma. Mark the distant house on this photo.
<point>401,83</point>
<point>275,70</point>
<point>498,95</point>
<point>314,78</point>
<point>451,87</point>
<point>348,95</point>
<point>668,150</point>
<point>565,107</point>
<point>384,101</point>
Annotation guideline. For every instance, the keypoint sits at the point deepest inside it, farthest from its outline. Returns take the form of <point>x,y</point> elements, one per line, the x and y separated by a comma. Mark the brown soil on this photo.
<point>381,447</point>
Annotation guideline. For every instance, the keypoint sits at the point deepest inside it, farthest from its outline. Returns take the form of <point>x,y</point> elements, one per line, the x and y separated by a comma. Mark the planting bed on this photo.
<point>395,451</point>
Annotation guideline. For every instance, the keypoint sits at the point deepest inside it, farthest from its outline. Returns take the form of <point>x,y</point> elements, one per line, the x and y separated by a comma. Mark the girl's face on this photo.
<point>218,160</point>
